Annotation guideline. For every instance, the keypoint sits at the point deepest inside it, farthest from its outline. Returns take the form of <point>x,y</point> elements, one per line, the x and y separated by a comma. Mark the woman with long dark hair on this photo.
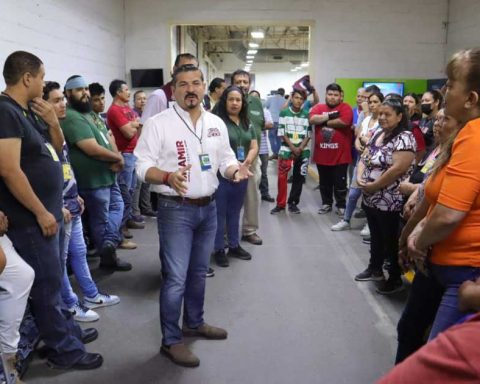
<point>386,162</point>
<point>232,109</point>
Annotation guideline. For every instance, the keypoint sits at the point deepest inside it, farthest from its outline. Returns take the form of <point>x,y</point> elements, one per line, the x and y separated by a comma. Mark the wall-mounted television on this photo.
<point>147,78</point>
<point>386,88</point>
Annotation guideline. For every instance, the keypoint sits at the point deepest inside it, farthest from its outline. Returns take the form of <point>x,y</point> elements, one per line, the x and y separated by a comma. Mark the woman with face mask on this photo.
<point>431,103</point>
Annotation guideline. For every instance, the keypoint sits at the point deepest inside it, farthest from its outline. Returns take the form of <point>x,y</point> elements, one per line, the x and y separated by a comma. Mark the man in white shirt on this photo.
<point>179,153</point>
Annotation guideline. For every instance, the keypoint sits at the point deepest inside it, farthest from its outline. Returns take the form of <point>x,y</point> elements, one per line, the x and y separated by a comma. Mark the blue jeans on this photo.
<point>60,333</point>
<point>353,195</point>
<point>229,198</point>
<point>450,277</point>
<point>105,212</point>
<point>187,233</point>
<point>76,247</point>
<point>275,141</point>
<point>127,180</point>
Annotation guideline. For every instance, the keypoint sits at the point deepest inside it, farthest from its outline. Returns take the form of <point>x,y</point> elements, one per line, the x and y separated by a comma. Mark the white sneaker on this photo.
<point>365,232</point>
<point>101,300</point>
<point>342,225</point>
<point>83,314</point>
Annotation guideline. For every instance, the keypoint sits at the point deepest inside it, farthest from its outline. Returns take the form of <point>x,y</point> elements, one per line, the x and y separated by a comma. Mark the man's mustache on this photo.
<point>191,94</point>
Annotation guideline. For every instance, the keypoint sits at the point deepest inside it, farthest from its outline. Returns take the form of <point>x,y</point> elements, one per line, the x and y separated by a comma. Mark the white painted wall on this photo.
<point>464,25</point>
<point>70,36</point>
<point>350,38</point>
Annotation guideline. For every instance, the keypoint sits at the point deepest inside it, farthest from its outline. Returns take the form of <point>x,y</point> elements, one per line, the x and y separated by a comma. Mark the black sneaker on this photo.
<point>276,210</point>
<point>390,286</point>
<point>360,214</point>
<point>221,258</point>
<point>268,198</point>
<point>292,208</point>
<point>325,209</point>
<point>366,240</point>
<point>211,272</point>
<point>239,253</point>
<point>370,275</point>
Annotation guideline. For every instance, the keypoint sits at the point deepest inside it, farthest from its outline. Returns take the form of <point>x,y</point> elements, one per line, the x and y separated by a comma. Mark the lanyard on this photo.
<point>188,127</point>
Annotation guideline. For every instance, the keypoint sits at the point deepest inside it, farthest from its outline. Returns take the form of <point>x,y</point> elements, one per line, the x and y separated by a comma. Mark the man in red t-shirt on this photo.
<point>332,151</point>
<point>124,123</point>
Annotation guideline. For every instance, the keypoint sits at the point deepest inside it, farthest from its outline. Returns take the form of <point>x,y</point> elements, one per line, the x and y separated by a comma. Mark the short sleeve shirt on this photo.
<point>240,138</point>
<point>296,127</point>
<point>117,117</point>
<point>90,173</point>
<point>378,160</point>
<point>38,160</point>
<point>333,146</point>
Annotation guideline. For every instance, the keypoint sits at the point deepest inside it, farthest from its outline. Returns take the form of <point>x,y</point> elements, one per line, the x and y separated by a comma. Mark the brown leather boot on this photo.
<point>206,331</point>
<point>180,355</point>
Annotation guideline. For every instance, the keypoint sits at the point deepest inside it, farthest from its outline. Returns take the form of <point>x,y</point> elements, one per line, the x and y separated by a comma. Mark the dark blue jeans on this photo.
<point>417,316</point>
<point>450,277</point>
<point>275,141</point>
<point>187,233</point>
<point>55,323</point>
<point>105,212</point>
<point>127,180</point>
<point>229,198</point>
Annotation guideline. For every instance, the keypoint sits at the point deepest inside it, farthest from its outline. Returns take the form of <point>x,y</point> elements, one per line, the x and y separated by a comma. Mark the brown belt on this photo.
<point>200,202</point>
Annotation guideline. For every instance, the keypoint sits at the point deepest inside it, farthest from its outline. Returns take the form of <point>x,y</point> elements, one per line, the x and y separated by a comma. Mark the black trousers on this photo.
<point>333,182</point>
<point>300,166</point>
<point>384,233</point>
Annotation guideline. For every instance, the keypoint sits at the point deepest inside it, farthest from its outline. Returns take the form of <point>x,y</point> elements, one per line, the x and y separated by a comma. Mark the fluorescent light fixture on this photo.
<point>252,52</point>
<point>293,70</point>
<point>303,65</point>
<point>249,57</point>
<point>249,61</point>
<point>298,68</point>
<point>257,34</point>
<point>253,45</point>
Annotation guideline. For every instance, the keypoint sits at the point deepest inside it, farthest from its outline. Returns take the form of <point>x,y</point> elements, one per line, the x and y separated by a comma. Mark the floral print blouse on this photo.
<point>377,160</point>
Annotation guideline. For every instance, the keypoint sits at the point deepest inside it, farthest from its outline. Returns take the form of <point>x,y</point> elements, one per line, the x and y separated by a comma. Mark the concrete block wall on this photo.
<point>71,37</point>
<point>463,26</point>
<point>350,38</point>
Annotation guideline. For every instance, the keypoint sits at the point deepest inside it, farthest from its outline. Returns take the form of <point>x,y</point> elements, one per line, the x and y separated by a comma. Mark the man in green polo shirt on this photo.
<point>241,79</point>
<point>95,161</point>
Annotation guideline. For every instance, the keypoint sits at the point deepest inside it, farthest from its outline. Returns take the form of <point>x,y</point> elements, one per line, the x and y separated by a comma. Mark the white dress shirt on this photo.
<point>167,142</point>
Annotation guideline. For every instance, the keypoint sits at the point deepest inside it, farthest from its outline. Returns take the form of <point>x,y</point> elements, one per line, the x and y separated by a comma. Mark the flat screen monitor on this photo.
<point>147,78</point>
<point>386,88</point>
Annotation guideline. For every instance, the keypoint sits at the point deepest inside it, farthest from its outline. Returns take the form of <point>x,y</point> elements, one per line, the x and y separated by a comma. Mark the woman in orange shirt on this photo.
<point>452,226</point>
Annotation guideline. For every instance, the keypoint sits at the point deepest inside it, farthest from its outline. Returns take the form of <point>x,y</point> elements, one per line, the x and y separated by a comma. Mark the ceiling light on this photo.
<point>253,45</point>
<point>257,34</point>
<point>249,61</point>
<point>293,70</point>
<point>303,65</point>
<point>252,52</point>
<point>298,68</point>
<point>250,57</point>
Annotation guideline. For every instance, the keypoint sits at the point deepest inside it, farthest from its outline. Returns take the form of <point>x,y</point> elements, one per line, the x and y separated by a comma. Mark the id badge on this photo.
<point>241,153</point>
<point>67,172</point>
<point>205,164</point>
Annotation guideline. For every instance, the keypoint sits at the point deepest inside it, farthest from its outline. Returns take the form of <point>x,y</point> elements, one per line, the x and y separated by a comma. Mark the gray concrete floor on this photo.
<point>294,312</point>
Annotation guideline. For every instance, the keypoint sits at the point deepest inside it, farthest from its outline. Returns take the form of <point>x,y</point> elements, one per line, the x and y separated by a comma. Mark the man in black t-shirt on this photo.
<point>31,181</point>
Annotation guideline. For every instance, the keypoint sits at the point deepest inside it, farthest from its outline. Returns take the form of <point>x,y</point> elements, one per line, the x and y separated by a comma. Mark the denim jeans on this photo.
<point>105,212</point>
<point>418,314</point>
<point>275,141</point>
<point>75,247</point>
<point>229,198</point>
<point>127,180</point>
<point>353,195</point>
<point>57,329</point>
<point>187,233</point>
<point>450,277</point>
